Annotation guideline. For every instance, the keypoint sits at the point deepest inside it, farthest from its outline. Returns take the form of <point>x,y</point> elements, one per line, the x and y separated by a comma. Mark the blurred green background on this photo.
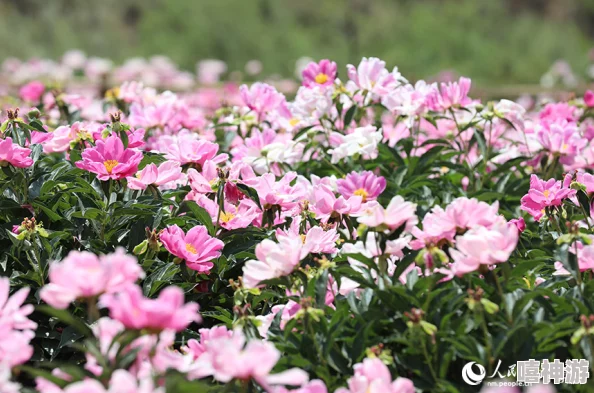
<point>492,41</point>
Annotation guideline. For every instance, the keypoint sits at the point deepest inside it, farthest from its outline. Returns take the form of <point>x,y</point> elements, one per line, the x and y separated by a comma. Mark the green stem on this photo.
<point>487,342</point>
<point>428,359</point>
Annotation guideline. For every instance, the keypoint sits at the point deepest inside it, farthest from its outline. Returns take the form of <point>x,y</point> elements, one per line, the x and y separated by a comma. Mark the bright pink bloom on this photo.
<point>110,160</point>
<point>85,275</point>
<point>319,74</point>
<point>326,205</point>
<point>589,98</point>
<point>543,194</point>
<point>365,184</point>
<point>398,213</point>
<point>482,246</point>
<point>196,247</point>
<point>135,311</point>
<point>559,111</point>
<point>13,154</point>
<point>518,223</point>
<point>450,95</point>
<point>202,182</point>
<point>32,91</point>
<point>167,172</point>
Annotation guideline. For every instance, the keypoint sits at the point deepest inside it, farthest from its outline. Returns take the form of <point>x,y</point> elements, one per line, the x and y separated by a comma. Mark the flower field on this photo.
<point>351,232</point>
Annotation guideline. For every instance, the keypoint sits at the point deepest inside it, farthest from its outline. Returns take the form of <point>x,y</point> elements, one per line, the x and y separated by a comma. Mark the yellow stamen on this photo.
<point>303,237</point>
<point>293,122</point>
<point>191,248</point>
<point>362,193</point>
<point>226,217</point>
<point>321,78</point>
<point>546,193</point>
<point>110,164</point>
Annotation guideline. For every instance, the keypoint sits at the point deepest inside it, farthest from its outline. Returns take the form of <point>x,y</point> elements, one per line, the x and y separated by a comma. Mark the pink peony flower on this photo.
<point>14,346</point>
<point>589,98</point>
<point>450,95</point>
<point>543,194</point>
<point>371,75</point>
<point>13,154</point>
<point>483,246</point>
<point>32,91</point>
<point>518,223</point>
<point>135,311</point>
<point>398,213</point>
<point>319,74</point>
<point>13,314</point>
<point>227,358</point>
<point>274,260</point>
<point>167,172</point>
<point>6,385</point>
<point>85,275</point>
<point>562,138</point>
<point>196,348</point>
<point>374,377</point>
<point>187,149</point>
<point>326,205</point>
<point>262,98</point>
<point>196,247</point>
<point>365,184</point>
<point>109,160</point>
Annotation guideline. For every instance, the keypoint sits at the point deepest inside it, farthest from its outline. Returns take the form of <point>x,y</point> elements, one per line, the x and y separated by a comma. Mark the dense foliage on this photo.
<point>368,235</point>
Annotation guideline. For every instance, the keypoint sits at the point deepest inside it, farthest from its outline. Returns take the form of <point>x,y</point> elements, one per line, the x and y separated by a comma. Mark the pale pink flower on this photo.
<point>450,95</point>
<point>227,358</point>
<point>6,385</point>
<point>110,160</point>
<point>398,213</point>
<point>562,138</point>
<point>13,154</point>
<point>13,314</point>
<point>197,347</point>
<point>276,193</point>
<point>167,172</point>
<point>196,247</point>
<point>326,205</point>
<point>319,74</point>
<point>274,260</point>
<point>363,141</point>
<point>135,311</point>
<point>85,275</point>
<point>262,99</point>
<point>365,184</point>
<point>373,376</point>
<point>14,346</point>
<point>105,330</point>
<point>483,246</point>
<point>187,149</point>
<point>371,75</point>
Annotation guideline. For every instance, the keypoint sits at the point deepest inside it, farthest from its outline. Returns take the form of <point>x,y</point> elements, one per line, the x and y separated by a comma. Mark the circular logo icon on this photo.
<point>469,376</point>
